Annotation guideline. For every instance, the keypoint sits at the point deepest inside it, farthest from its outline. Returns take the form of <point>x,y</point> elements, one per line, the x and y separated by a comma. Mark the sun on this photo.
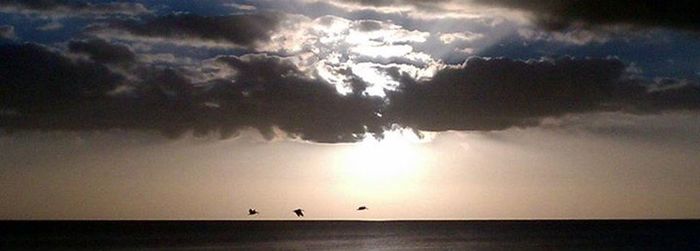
<point>380,168</point>
<point>380,160</point>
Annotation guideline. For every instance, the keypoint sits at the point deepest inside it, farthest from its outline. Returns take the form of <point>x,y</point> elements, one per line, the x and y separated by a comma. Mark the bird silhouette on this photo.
<point>361,208</point>
<point>299,212</point>
<point>252,211</point>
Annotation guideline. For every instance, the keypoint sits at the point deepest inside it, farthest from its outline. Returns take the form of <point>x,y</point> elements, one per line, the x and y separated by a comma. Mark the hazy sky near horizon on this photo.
<point>452,109</point>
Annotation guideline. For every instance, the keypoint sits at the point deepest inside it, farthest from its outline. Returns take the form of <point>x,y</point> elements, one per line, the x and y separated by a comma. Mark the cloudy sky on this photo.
<point>451,109</point>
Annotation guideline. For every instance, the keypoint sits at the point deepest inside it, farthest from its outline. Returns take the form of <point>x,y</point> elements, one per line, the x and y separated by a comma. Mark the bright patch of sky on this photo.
<point>332,45</point>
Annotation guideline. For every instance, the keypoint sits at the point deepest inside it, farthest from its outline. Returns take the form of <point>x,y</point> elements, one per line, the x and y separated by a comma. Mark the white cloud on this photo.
<point>448,38</point>
<point>245,7</point>
<point>576,37</point>
<point>466,50</point>
<point>340,50</point>
<point>53,25</point>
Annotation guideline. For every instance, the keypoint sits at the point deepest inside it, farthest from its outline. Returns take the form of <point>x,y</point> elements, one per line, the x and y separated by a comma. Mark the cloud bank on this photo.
<point>47,90</point>
<point>560,15</point>
<point>496,94</point>
<point>556,15</point>
<point>190,29</point>
<point>72,8</point>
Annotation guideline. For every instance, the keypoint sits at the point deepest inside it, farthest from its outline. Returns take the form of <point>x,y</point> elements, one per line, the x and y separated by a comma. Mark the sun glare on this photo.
<point>380,168</point>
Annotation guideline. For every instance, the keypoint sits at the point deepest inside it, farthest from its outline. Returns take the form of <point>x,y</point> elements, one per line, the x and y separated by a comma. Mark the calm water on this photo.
<point>352,235</point>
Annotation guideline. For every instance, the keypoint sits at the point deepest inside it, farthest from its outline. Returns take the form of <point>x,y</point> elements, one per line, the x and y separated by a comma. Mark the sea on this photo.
<point>352,235</point>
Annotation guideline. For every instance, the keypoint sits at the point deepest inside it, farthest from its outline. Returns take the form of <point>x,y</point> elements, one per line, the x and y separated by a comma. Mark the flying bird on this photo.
<point>252,211</point>
<point>361,208</point>
<point>299,212</point>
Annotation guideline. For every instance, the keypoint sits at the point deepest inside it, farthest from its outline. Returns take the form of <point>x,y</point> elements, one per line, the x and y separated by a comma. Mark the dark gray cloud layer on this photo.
<point>43,89</point>
<point>68,7</point>
<point>34,79</point>
<point>495,94</point>
<point>46,90</point>
<point>243,30</point>
<point>680,14</point>
<point>557,15</point>
<point>272,92</point>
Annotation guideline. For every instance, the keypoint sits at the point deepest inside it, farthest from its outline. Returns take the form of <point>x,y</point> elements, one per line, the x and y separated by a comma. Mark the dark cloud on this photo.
<point>561,15</point>
<point>7,32</point>
<point>243,30</point>
<point>46,90</point>
<point>35,79</point>
<point>103,52</point>
<point>672,94</point>
<point>558,15</point>
<point>495,94</point>
<point>272,92</point>
<point>43,89</point>
<point>67,7</point>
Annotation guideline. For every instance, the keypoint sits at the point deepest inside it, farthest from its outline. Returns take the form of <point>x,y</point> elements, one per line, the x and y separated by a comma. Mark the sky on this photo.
<point>447,109</point>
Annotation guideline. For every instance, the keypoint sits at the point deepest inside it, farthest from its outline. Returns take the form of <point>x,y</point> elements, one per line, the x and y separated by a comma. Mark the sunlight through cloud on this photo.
<point>383,168</point>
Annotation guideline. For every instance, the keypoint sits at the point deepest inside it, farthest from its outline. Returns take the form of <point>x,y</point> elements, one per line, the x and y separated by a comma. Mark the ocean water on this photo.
<point>351,235</point>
